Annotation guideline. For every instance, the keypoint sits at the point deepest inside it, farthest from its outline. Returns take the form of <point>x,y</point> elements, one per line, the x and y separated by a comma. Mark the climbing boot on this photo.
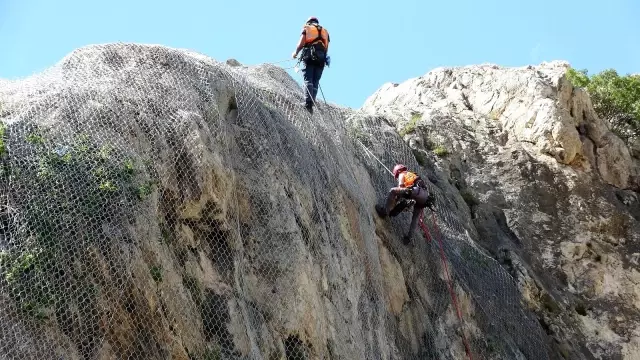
<point>406,240</point>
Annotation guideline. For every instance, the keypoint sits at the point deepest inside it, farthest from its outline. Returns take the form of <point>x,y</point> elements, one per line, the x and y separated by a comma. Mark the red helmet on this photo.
<point>312,19</point>
<point>398,169</point>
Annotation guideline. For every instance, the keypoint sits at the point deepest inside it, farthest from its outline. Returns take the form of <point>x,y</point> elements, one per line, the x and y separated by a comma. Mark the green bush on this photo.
<point>440,151</point>
<point>411,124</point>
<point>156,273</point>
<point>63,195</point>
<point>356,131</point>
<point>615,98</point>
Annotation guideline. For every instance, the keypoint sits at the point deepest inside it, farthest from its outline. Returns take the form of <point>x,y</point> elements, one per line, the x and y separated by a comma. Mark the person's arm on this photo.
<point>401,181</point>
<point>328,42</point>
<point>300,44</point>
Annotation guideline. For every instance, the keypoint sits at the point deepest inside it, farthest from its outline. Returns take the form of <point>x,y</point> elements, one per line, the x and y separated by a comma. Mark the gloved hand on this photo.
<point>430,202</point>
<point>409,207</point>
<point>405,193</point>
<point>328,61</point>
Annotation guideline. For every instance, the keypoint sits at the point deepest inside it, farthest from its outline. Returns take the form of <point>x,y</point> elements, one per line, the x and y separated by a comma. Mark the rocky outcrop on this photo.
<point>551,191</point>
<point>533,105</point>
<point>162,205</point>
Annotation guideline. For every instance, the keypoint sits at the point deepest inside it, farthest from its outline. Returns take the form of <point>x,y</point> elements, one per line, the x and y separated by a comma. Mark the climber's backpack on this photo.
<point>315,53</point>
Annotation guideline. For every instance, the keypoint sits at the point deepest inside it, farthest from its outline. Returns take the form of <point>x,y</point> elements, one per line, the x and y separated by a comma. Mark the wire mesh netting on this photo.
<point>160,205</point>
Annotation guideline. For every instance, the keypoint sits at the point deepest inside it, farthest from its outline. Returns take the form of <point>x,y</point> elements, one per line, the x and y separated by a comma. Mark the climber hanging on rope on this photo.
<point>314,43</point>
<point>411,189</point>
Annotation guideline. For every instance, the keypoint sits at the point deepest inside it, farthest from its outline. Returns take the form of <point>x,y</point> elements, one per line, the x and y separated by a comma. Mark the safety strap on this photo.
<point>319,38</point>
<point>415,181</point>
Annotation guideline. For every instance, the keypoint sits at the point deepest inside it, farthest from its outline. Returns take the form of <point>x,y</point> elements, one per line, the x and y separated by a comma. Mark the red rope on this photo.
<point>427,234</point>
<point>424,227</point>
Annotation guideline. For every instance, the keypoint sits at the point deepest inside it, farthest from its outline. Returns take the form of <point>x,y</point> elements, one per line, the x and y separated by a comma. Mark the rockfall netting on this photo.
<point>157,204</point>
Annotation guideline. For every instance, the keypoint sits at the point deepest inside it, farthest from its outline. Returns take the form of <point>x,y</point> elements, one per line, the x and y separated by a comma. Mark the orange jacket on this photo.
<point>313,36</point>
<point>407,179</point>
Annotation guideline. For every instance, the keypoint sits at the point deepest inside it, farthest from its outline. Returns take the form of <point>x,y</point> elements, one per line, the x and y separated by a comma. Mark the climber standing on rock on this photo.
<point>411,188</point>
<point>314,43</point>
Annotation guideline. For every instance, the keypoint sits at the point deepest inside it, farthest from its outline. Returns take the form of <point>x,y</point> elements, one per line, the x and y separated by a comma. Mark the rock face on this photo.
<point>162,205</point>
<point>551,191</point>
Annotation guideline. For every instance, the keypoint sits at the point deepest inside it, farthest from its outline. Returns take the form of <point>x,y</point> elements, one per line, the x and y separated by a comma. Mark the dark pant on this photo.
<point>311,74</point>
<point>397,201</point>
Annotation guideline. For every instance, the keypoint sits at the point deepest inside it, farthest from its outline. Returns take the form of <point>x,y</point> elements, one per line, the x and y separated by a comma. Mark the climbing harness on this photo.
<point>443,257</point>
<point>310,40</point>
<point>311,52</point>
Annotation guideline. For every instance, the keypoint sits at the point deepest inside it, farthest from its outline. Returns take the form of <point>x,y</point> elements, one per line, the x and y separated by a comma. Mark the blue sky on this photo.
<point>373,41</point>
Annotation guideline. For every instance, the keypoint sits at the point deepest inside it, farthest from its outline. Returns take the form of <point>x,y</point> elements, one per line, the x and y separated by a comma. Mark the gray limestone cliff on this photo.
<point>551,191</point>
<point>158,204</point>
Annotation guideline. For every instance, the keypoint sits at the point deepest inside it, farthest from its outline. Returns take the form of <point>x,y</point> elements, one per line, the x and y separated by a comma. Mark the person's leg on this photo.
<point>308,74</point>
<point>389,202</point>
<point>317,74</point>
<point>421,198</point>
<point>401,204</point>
<point>392,197</point>
<point>417,210</point>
